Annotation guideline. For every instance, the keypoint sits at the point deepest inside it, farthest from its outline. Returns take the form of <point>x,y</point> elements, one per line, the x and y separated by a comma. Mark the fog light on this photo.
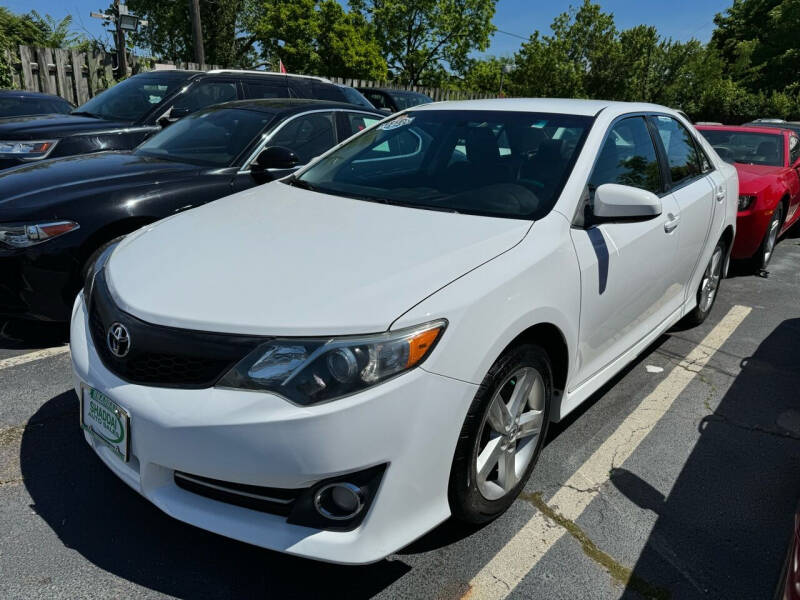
<point>339,501</point>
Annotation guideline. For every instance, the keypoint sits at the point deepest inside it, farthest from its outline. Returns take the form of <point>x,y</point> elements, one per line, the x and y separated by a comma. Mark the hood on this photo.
<point>278,260</point>
<point>37,188</point>
<point>754,178</point>
<point>43,127</point>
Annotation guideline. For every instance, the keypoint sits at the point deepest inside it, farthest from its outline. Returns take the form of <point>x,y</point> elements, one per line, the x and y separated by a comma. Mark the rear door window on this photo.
<point>683,158</point>
<point>356,122</point>
<point>265,89</point>
<point>307,135</point>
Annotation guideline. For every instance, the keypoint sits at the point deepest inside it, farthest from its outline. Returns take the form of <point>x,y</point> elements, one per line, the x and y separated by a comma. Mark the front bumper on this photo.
<point>410,423</point>
<point>39,282</point>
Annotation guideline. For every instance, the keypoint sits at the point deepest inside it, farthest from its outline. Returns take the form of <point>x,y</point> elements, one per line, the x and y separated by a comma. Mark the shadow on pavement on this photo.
<point>31,335</point>
<point>98,516</point>
<point>723,529</point>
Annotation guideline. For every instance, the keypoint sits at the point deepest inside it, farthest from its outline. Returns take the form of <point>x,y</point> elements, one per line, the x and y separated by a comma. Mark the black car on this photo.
<point>57,215</point>
<point>390,101</point>
<point>20,103</point>
<point>776,124</point>
<point>126,114</point>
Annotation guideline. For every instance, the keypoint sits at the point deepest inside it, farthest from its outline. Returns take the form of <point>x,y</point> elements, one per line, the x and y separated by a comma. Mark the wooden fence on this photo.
<point>438,94</point>
<point>78,76</point>
<point>75,76</point>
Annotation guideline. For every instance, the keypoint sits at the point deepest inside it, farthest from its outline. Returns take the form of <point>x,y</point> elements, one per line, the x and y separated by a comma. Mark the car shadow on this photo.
<point>31,335</point>
<point>97,515</point>
<point>723,529</point>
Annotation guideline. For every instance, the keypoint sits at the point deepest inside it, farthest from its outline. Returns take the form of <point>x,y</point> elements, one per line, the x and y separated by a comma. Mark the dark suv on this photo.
<point>390,101</point>
<point>126,114</point>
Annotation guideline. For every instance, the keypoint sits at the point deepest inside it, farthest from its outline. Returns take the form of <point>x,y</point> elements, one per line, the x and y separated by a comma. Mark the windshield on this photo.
<point>209,138</point>
<point>130,100</point>
<point>355,97</point>
<point>748,148</point>
<point>496,163</point>
<point>404,101</point>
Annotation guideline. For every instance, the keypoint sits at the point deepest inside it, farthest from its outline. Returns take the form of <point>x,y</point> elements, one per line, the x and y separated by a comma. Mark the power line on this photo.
<point>521,37</point>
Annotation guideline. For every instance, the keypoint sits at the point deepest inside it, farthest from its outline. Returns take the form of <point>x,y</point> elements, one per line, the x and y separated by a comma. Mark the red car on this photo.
<point>768,162</point>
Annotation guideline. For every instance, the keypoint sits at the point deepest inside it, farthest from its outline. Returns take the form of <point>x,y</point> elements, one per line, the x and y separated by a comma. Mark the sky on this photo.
<point>514,19</point>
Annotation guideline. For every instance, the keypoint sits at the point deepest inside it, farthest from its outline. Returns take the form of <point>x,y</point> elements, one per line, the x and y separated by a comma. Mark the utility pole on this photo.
<point>122,61</point>
<point>197,32</point>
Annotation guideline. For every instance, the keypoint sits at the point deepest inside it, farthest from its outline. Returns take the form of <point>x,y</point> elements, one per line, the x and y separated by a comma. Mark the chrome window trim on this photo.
<point>577,217</point>
<point>245,168</point>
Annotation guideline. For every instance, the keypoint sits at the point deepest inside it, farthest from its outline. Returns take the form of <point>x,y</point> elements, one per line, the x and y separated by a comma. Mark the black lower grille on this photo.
<point>270,500</point>
<point>163,356</point>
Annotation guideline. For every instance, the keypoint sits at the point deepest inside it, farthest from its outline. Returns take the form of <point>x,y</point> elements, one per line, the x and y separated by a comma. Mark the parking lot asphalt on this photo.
<point>678,480</point>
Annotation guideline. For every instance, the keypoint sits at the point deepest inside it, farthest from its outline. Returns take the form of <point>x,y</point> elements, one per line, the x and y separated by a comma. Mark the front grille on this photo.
<point>163,356</point>
<point>275,501</point>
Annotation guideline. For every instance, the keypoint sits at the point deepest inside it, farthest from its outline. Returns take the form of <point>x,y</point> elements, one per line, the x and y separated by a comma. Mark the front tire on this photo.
<point>502,435</point>
<point>709,287</point>
<point>765,251</point>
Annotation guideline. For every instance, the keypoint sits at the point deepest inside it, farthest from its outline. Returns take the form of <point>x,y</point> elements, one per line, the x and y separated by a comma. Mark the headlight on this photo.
<point>746,201</point>
<point>307,371</point>
<point>32,150</point>
<point>22,236</point>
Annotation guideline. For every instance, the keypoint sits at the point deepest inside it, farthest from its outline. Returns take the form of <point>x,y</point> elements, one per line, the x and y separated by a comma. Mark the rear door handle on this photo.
<point>672,223</point>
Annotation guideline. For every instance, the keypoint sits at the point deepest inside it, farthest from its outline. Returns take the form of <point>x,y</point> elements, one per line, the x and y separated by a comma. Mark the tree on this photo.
<point>169,34</point>
<point>483,75</point>
<point>758,41</point>
<point>316,37</point>
<point>421,39</point>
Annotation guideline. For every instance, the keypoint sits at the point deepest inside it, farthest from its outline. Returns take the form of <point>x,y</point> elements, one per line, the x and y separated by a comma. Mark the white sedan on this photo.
<point>333,364</point>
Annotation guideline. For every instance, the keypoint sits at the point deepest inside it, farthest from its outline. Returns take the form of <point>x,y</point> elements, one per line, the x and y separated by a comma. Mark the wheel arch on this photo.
<point>109,232</point>
<point>552,340</point>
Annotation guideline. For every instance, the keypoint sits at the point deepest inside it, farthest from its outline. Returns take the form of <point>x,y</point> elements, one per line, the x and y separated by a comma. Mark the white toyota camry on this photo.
<point>332,364</point>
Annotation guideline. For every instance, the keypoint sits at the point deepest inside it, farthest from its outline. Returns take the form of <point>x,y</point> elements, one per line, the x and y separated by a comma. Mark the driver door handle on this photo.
<point>720,194</point>
<point>672,223</point>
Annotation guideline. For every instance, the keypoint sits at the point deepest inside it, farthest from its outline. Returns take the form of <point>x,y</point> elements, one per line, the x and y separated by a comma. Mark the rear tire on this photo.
<point>502,435</point>
<point>709,287</point>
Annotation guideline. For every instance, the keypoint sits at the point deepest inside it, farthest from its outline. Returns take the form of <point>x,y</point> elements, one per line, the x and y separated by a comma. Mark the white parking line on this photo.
<point>21,359</point>
<point>498,578</point>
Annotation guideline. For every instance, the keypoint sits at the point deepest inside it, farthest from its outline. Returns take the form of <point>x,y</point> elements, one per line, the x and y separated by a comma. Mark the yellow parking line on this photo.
<point>498,578</point>
<point>21,359</point>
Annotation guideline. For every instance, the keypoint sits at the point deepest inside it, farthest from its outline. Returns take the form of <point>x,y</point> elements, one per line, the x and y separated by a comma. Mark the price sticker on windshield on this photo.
<point>396,123</point>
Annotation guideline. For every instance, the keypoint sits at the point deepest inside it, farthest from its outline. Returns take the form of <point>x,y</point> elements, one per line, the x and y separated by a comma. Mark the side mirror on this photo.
<point>172,115</point>
<point>614,202</point>
<point>274,157</point>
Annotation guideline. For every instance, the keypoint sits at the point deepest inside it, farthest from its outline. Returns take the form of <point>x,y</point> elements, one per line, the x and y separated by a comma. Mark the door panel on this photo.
<point>630,282</point>
<point>629,285</point>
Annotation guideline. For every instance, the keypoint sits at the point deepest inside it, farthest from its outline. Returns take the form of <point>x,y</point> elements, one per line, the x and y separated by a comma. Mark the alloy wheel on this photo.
<point>772,236</point>
<point>710,282</point>
<point>509,432</point>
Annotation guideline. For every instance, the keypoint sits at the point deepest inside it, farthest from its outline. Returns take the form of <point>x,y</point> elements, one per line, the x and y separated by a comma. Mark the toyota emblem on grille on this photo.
<point>118,339</point>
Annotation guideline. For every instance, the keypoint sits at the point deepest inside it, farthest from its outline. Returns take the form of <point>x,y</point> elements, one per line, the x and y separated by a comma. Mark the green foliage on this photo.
<point>733,79</point>
<point>315,36</point>
<point>169,31</point>
<point>419,37</point>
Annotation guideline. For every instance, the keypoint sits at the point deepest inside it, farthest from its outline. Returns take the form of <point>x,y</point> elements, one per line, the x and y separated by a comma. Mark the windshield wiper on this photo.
<point>83,113</point>
<point>299,183</point>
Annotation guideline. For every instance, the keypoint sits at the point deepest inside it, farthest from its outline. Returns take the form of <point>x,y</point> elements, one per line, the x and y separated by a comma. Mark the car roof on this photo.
<point>745,129</point>
<point>28,94</point>
<point>293,105</point>
<point>589,108</point>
